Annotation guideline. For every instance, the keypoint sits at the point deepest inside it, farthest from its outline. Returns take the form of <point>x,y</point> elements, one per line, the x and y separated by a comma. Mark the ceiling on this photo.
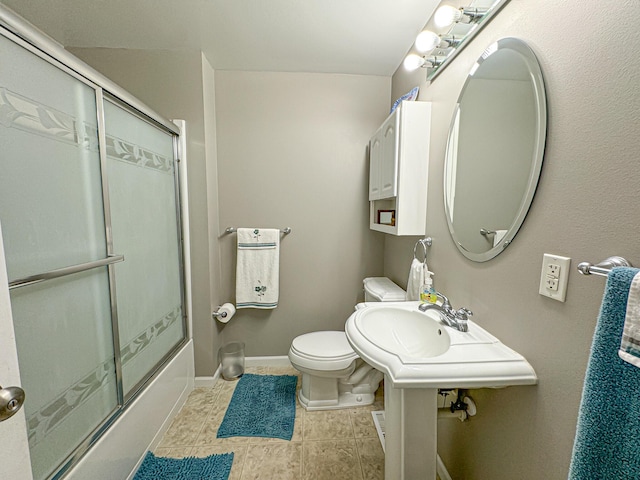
<point>368,37</point>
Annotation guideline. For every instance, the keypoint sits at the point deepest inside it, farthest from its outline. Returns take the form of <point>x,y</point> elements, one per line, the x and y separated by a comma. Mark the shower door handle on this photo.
<point>11,399</point>
<point>62,272</point>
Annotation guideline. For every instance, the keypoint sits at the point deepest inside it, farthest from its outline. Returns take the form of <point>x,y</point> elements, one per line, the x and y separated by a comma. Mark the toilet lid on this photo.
<point>323,350</point>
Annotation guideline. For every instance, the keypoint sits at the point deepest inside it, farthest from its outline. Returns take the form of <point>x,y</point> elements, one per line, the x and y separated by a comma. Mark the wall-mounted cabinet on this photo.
<point>398,171</point>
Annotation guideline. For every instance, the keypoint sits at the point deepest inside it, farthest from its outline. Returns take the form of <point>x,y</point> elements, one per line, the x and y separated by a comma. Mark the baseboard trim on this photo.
<point>268,361</point>
<point>207,382</point>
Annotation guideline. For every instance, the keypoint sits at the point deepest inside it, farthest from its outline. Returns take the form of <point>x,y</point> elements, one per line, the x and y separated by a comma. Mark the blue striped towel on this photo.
<point>258,268</point>
<point>606,444</point>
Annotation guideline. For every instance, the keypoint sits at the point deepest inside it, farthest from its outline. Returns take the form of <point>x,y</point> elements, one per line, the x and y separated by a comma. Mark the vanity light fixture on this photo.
<point>447,32</point>
<point>446,15</point>
<point>427,41</point>
<point>413,61</point>
<point>447,41</point>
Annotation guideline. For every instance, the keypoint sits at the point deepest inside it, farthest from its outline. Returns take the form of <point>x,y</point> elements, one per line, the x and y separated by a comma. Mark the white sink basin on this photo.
<point>408,334</point>
<point>414,349</point>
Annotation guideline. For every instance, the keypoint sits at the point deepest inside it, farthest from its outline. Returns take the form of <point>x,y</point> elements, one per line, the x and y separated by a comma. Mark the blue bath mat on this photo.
<point>261,406</point>
<point>213,467</point>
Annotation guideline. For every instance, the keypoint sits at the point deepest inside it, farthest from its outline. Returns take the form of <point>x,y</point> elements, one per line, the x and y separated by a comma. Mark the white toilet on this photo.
<point>333,376</point>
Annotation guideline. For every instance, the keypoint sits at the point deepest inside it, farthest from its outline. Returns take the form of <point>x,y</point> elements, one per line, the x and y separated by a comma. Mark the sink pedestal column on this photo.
<point>411,416</point>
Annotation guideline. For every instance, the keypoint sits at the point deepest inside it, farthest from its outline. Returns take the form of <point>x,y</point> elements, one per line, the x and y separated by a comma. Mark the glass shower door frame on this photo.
<point>21,33</point>
<point>106,96</point>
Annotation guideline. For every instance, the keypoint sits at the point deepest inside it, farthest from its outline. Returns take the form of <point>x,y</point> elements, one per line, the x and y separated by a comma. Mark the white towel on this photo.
<point>416,279</point>
<point>258,268</point>
<point>630,344</point>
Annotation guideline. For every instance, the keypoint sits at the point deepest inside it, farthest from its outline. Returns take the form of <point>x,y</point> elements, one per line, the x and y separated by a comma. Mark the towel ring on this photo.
<point>425,242</point>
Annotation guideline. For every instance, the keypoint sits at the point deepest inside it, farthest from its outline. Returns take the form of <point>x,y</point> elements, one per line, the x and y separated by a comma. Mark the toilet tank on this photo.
<point>381,289</point>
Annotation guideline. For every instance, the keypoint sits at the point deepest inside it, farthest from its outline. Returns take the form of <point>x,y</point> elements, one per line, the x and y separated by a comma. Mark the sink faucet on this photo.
<point>452,318</point>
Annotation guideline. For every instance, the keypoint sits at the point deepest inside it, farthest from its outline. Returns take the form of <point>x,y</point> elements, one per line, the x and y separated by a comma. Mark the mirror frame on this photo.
<point>537,79</point>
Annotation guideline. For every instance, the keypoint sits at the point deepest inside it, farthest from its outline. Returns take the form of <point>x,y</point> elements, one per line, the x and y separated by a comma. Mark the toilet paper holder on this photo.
<point>218,314</point>
<point>224,312</point>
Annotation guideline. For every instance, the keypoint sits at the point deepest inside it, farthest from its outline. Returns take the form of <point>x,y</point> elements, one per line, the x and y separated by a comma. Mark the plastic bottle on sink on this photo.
<point>427,292</point>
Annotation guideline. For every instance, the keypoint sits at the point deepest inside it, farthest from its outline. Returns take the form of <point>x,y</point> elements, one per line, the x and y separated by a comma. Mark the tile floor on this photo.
<point>331,445</point>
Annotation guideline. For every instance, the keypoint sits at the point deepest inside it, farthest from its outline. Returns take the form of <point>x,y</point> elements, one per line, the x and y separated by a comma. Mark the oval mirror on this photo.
<point>495,149</point>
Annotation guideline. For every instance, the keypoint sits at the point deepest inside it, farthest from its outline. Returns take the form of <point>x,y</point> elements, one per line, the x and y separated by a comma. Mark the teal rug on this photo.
<point>261,406</point>
<point>213,467</point>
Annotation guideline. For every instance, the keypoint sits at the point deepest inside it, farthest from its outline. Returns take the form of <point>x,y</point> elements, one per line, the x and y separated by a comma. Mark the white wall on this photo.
<point>586,207</point>
<point>292,153</point>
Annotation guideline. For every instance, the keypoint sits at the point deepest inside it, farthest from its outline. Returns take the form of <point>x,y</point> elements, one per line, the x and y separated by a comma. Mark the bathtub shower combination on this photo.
<point>90,216</point>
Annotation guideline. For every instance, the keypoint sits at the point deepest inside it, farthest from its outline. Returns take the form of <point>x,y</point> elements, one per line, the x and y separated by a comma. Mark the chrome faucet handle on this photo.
<point>463,314</point>
<point>461,318</point>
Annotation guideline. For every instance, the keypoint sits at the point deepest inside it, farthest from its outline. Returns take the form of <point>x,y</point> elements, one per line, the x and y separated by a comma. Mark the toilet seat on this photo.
<point>323,351</point>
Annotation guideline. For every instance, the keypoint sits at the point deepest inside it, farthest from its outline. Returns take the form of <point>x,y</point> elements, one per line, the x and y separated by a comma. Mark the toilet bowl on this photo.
<point>333,376</point>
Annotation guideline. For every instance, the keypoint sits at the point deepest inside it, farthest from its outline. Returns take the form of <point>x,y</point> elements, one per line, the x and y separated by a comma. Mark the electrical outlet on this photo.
<point>554,276</point>
<point>553,270</point>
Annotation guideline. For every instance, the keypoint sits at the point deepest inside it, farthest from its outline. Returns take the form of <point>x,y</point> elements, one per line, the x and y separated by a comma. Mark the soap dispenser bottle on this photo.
<point>427,292</point>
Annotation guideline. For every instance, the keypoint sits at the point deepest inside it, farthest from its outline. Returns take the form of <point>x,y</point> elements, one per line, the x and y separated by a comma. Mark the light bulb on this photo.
<point>446,16</point>
<point>427,41</point>
<point>413,62</point>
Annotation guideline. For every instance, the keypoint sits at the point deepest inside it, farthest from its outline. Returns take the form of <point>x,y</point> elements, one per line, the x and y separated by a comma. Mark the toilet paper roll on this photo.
<point>226,311</point>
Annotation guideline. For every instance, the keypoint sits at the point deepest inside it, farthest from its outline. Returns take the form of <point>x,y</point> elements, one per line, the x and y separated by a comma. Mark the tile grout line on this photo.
<point>355,442</point>
<point>360,459</point>
<point>244,461</point>
<point>200,430</point>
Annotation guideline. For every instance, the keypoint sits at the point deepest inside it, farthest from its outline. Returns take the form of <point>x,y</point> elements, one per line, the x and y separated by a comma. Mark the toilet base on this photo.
<point>345,400</point>
<point>353,387</point>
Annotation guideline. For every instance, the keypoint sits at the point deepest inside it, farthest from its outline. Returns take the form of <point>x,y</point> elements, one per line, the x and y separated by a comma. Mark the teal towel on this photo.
<point>630,344</point>
<point>606,444</point>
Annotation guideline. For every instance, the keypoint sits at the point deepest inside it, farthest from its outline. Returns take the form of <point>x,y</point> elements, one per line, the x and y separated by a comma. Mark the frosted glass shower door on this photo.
<point>52,216</point>
<point>142,192</point>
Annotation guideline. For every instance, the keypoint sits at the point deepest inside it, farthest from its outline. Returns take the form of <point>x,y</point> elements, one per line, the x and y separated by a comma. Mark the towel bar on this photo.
<point>603,268</point>
<point>286,230</point>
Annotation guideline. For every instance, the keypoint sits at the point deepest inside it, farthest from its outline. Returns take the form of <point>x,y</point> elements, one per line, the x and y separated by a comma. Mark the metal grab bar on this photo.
<point>62,272</point>
<point>603,268</point>
<point>286,230</point>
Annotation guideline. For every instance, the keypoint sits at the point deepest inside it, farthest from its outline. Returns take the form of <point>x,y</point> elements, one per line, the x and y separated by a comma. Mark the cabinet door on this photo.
<point>375,157</point>
<point>389,165</point>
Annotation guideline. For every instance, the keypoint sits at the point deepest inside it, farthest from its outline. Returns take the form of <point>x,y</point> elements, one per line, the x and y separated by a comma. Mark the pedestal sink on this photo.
<point>418,355</point>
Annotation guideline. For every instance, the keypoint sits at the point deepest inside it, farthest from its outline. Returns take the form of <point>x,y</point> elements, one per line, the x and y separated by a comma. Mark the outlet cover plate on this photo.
<point>555,274</point>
